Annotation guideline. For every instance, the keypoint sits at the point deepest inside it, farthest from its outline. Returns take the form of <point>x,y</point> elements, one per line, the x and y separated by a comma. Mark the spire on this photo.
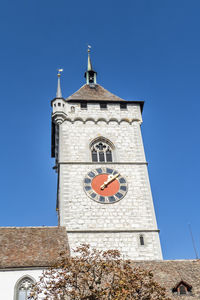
<point>59,93</point>
<point>90,74</point>
<point>89,68</point>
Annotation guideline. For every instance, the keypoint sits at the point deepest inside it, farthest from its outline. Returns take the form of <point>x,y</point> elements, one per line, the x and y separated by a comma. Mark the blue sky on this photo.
<point>142,50</point>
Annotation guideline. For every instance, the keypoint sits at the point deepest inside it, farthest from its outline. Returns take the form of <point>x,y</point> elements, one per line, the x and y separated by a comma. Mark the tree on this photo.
<point>91,274</point>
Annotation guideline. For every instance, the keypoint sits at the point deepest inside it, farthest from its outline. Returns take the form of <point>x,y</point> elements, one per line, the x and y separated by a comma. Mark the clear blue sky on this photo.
<point>142,50</point>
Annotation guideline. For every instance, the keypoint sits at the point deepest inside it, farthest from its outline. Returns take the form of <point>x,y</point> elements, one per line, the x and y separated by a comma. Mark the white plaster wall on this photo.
<point>8,280</point>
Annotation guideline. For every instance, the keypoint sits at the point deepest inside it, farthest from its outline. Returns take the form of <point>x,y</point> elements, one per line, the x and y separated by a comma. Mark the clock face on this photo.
<point>105,185</point>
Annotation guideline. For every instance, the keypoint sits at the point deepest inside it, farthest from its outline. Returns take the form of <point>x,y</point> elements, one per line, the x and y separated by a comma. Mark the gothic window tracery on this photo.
<point>23,287</point>
<point>101,151</point>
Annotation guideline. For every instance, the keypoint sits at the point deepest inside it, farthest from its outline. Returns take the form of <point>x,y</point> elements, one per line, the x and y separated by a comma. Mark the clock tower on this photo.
<point>103,192</point>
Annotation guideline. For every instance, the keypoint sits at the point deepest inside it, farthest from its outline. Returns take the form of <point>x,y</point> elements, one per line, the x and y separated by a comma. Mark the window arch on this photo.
<point>23,287</point>
<point>102,150</point>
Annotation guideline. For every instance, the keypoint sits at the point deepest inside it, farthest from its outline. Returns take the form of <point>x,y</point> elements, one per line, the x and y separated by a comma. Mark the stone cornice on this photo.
<point>59,117</point>
<point>100,119</point>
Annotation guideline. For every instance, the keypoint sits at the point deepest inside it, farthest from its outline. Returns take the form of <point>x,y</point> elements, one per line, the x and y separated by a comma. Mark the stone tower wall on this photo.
<point>106,226</point>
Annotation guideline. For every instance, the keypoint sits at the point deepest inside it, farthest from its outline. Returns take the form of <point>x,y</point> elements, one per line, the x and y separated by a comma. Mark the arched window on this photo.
<point>23,287</point>
<point>101,150</point>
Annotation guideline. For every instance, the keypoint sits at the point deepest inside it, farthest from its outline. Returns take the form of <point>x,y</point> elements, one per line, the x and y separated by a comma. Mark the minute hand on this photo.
<point>108,181</point>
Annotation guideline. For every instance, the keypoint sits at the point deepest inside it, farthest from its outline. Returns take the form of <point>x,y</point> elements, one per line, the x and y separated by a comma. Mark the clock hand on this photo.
<point>109,180</point>
<point>106,182</point>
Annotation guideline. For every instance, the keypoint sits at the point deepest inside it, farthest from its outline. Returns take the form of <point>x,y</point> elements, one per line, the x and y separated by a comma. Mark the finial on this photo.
<point>89,68</point>
<point>89,47</point>
<point>59,93</point>
<point>90,74</point>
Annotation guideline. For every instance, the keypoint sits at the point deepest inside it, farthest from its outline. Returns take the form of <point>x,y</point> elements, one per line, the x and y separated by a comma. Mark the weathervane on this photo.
<point>59,72</point>
<point>89,47</point>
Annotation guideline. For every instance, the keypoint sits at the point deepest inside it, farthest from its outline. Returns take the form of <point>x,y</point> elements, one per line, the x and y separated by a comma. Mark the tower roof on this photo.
<point>59,92</point>
<point>97,93</point>
<point>89,66</point>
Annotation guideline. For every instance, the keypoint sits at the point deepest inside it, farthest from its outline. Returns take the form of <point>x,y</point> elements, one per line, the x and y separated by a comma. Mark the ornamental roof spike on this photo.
<point>59,92</point>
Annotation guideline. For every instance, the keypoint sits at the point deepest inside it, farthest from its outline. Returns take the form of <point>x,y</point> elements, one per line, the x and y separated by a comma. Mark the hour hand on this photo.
<point>110,179</point>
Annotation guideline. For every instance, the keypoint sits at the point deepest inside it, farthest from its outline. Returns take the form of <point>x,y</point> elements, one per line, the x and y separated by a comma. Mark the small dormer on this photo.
<point>182,288</point>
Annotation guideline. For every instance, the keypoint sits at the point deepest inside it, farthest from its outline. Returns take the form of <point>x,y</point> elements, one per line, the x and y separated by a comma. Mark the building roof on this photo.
<point>169,273</point>
<point>31,246</point>
<point>95,93</point>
